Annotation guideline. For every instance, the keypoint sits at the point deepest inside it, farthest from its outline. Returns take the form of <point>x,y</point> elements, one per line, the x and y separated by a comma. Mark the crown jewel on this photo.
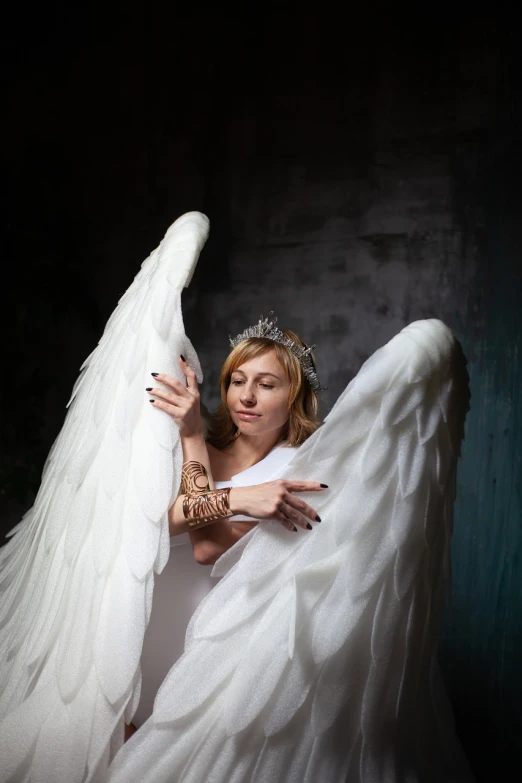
<point>266,327</point>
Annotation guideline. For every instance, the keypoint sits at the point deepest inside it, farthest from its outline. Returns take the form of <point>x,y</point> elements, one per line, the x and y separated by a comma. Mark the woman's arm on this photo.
<point>209,544</point>
<point>183,404</point>
<point>271,500</point>
<point>194,449</point>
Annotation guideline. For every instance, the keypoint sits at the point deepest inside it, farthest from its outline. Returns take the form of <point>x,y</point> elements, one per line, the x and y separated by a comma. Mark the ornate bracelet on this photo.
<point>204,507</point>
<point>194,478</point>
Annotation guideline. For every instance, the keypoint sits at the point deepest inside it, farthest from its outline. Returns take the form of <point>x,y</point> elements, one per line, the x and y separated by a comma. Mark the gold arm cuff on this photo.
<point>205,507</point>
<point>194,478</point>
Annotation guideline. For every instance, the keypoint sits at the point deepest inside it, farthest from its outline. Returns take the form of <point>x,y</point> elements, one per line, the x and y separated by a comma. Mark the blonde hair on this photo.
<point>302,401</point>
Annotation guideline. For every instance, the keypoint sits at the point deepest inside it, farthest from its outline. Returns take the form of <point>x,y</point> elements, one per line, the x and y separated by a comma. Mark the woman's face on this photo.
<point>257,397</point>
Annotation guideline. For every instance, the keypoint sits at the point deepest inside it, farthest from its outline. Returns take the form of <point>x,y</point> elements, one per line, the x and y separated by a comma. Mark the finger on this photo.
<point>297,518</point>
<point>305,486</point>
<point>166,396</point>
<point>168,380</point>
<point>190,375</point>
<point>172,410</point>
<point>287,523</point>
<point>301,507</point>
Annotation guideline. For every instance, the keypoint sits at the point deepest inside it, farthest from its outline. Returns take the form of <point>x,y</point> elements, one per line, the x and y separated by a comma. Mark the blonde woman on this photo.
<point>269,408</point>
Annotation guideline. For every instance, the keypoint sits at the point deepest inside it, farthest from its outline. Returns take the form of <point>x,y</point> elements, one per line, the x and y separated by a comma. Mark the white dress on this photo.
<point>313,659</point>
<point>182,585</point>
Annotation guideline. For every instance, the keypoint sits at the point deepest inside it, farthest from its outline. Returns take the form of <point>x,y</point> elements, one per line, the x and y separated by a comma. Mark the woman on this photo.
<point>269,407</point>
<point>314,658</point>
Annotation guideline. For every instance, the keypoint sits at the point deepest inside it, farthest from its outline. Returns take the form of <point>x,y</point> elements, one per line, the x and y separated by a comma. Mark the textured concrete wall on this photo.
<point>356,178</point>
<point>342,212</point>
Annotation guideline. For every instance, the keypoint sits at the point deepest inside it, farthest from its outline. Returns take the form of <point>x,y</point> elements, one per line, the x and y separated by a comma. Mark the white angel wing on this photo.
<point>76,579</point>
<point>314,658</point>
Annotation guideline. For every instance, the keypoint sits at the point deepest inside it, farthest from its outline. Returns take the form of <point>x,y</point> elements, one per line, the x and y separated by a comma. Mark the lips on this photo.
<point>248,415</point>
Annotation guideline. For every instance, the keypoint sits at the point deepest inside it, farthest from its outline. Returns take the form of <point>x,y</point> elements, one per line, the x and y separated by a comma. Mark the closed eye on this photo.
<point>240,382</point>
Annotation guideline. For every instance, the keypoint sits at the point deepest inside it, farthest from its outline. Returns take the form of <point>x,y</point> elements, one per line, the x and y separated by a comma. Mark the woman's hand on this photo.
<point>181,402</point>
<point>276,500</point>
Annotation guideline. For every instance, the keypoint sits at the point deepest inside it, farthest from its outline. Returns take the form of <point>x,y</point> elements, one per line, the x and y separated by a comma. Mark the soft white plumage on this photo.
<point>314,658</point>
<point>76,578</point>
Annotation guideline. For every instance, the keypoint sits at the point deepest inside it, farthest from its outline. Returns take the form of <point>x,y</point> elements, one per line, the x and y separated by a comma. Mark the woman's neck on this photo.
<point>250,450</point>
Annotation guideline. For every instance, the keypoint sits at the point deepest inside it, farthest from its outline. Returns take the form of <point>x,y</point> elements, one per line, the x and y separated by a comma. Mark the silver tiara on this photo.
<point>266,327</point>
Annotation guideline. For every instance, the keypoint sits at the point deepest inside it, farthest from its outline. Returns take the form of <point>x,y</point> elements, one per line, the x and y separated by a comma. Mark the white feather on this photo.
<point>76,583</point>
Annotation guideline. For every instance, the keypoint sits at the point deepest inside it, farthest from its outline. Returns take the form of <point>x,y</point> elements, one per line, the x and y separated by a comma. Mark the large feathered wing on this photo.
<point>76,578</point>
<point>314,658</point>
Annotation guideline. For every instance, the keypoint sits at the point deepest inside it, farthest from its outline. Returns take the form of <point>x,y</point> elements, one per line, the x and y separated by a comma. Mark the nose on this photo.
<point>248,398</point>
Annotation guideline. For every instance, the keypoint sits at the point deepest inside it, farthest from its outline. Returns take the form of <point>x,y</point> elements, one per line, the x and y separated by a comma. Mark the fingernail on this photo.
<point>309,526</point>
<point>324,486</point>
<point>149,388</point>
<point>318,518</point>
<point>152,400</point>
<point>182,358</point>
<point>295,529</point>
<point>155,374</point>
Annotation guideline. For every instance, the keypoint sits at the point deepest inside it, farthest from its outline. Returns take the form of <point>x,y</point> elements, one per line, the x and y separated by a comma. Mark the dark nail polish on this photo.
<point>317,518</point>
<point>309,526</point>
<point>295,529</point>
<point>154,374</point>
<point>149,388</point>
<point>182,358</point>
<point>152,400</point>
<point>324,486</point>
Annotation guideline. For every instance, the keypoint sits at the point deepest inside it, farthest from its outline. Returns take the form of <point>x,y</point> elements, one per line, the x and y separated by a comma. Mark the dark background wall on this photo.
<point>359,173</point>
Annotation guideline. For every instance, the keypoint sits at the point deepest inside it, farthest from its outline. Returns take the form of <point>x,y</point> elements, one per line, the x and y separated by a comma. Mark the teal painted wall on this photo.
<point>482,643</point>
